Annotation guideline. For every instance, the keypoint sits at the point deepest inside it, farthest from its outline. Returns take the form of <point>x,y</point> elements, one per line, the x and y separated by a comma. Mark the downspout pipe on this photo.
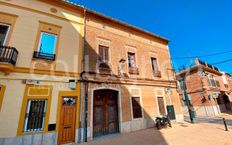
<point>82,135</point>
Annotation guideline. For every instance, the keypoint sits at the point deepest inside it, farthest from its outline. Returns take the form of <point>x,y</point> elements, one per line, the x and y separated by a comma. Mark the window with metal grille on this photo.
<point>136,107</point>
<point>35,115</point>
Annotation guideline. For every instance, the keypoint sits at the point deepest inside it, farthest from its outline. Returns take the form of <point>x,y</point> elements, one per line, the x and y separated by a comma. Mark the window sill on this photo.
<point>137,119</point>
<point>32,133</point>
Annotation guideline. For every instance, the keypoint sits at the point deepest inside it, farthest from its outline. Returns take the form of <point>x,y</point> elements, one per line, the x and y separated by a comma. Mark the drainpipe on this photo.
<point>83,84</point>
<point>86,88</point>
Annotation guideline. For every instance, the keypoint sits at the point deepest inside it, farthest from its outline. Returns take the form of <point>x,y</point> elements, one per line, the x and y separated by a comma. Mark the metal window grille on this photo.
<point>35,115</point>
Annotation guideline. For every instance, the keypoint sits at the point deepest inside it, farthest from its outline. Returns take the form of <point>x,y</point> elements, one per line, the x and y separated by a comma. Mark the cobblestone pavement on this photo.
<point>181,134</point>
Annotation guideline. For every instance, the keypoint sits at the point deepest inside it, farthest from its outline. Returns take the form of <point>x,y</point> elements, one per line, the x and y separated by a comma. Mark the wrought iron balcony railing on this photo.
<point>46,56</point>
<point>8,54</point>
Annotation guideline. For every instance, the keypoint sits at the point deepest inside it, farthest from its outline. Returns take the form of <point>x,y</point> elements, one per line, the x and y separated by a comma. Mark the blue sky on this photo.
<point>195,27</point>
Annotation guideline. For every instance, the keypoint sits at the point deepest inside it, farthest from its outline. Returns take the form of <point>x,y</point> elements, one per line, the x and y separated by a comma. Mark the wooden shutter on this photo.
<point>103,53</point>
<point>100,53</point>
<point>106,54</point>
<point>161,105</point>
<point>137,110</point>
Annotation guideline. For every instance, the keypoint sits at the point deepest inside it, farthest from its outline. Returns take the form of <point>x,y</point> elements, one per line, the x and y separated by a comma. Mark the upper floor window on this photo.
<point>4,31</point>
<point>46,46</point>
<point>154,64</point>
<point>47,41</point>
<point>103,53</point>
<point>155,68</point>
<point>213,82</point>
<point>131,60</point>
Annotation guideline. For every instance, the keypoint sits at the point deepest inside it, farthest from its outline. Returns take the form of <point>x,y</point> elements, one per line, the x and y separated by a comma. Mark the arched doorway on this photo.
<point>227,102</point>
<point>105,112</point>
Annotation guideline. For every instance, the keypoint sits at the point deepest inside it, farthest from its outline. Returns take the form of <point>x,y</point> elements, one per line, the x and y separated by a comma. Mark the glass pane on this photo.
<point>3,33</point>
<point>69,101</point>
<point>47,43</point>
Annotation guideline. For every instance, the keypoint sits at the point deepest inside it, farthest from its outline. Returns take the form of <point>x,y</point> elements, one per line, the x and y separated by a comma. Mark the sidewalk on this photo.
<point>180,134</point>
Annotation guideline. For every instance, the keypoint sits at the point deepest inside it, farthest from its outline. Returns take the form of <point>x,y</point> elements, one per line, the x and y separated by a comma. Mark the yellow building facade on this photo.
<point>41,52</point>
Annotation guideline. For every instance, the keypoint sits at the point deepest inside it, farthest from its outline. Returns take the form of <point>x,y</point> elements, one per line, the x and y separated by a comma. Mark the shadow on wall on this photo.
<point>102,77</point>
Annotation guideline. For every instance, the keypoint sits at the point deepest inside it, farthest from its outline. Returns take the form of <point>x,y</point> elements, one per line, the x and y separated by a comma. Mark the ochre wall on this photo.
<point>26,28</point>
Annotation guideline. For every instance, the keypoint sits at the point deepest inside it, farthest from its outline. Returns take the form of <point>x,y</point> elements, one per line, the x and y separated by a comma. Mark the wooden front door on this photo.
<point>67,120</point>
<point>105,113</point>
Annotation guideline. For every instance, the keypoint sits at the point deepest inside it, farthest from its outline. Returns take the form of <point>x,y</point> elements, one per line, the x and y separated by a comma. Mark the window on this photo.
<point>103,54</point>
<point>35,115</point>
<point>47,46</point>
<point>155,69</point>
<point>161,105</point>
<point>4,30</point>
<point>131,60</point>
<point>136,107</point>
<point>47,41</point>
<point>213,82</point>
<point>154,64</point>
<point>35,109</point>
<point>160,98</point>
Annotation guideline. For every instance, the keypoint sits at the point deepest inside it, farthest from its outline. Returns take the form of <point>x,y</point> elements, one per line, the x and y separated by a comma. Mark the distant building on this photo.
<point>209,89</point>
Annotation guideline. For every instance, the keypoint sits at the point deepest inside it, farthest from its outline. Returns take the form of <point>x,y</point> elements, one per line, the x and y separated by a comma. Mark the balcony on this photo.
<point>157,74</point>
<point>133,70</point>
<point>104,68</point>
<point>8,58</point>
<point>45,56</point>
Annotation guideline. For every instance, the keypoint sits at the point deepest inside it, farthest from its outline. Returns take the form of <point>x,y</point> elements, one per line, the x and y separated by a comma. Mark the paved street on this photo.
<point>180,134</point>
<point>214,120</point>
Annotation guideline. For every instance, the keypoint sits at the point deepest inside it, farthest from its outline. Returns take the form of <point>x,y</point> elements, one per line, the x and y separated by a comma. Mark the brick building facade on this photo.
<point>208,88</point>
<point>132,65</point>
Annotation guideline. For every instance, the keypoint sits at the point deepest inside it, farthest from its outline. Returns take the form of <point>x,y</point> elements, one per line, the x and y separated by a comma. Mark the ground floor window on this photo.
<point>35,115</point>
<point>161,105</point>
<point>136,107</point>
<point>35,109</point>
